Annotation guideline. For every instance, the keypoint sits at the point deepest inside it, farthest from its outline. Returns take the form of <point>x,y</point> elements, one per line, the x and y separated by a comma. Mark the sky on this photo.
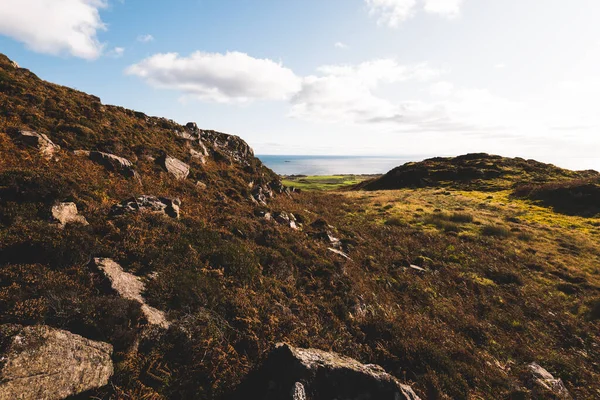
<point>338,77</point>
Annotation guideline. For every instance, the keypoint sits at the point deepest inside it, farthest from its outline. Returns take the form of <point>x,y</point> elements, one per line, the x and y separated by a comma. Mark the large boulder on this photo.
<point>110,161</point>
<point>152,204</point>
<point>38,140</point>
<point>44,363</point>
<point>66,213</point>
<point>175,167</point>
<point>291,373</point>
<point>543,384</point>
<point>130,287</point>
<point>230,147</point>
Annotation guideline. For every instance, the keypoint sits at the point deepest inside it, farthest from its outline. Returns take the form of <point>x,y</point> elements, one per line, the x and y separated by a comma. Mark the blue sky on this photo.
<point>376,77</point>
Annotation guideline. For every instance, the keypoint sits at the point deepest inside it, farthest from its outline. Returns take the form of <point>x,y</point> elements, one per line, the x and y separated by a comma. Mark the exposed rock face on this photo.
<point>178,169</point>
<point>37,140</point>
<point>40,362</point>
<point>198,156</point>
<point>232,147</point>
<point>130,287</point>
<point>153,204</point>
<point>66,213</point>
<point>542,381</point>
<point>110,161</point>
<point>308,374</point>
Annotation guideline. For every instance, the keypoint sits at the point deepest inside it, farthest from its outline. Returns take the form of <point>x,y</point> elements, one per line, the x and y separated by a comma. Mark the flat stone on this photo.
<point>41,362</point>
<point>38,140</point>
<point>145,203</point>
<point>175,167</point>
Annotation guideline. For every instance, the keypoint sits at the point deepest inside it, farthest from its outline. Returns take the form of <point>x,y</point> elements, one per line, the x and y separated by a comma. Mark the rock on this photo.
<point>178,169</point>
<point>322,230</point>
<point>40,362</point>
<point>198,156</point>
<point>152,204</point>
<point>192,126</point>
<point>542,381</point>
<point>260,194</point>
<point>231,147</point>
<point>309,374</point>
<point>130,287</point>
<point>201,185</point>
<point>14,64</point>
<point>110,161</point>
<point>417,268</point>
<point>66,213</point>
<point>185,136</point>
<point>340,253</point>
<point>284,218</point>
<point>37,140</point>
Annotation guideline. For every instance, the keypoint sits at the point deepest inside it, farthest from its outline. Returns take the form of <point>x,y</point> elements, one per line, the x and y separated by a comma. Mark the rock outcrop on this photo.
<point>66,213</point>
<point>38,140</point>
<point>152,204</point>
<point>543,383</point>
<point>285,218</point>
<point>130,287</point>
<point>309,374</point>
<point>175,167</point>
<point>44,363</point>
<point>110,161</point>
<point>231,147</point>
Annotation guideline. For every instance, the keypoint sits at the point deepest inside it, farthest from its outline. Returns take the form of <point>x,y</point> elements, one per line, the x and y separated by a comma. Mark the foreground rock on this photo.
<point>152,204</point>
<point>38,140</point>
<point>130,287</point>
<point>292,374</point>
<point>66,213</point>
<point>178,169</point>
<point>110,161</point>
<point>40,362</point>
<point>543,383</point>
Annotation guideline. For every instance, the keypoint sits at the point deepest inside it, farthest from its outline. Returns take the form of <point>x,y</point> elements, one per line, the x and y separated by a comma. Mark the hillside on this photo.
<point>478,171</point>
<point>454,290</point>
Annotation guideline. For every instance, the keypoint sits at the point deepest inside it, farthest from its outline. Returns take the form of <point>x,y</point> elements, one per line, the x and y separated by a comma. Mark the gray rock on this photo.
<point>38,140</point>
<point>178,169</point>
<point>542,381</point>
<point>110,161</point>
<point>130,287</point>
<point>233,148</point>
<point>152,204</point>
<point>185,136</point>
<point>66,213</point>
<point>198,156</point>
<point>285,218</point>
<point>14,64</point>
<point>309,374</point>
<point>41,362</point>
<point>340,253</point>
<point>201,185</point>
<point>192,126</point>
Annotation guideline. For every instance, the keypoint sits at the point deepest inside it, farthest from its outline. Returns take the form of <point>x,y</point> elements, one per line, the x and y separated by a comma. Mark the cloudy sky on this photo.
<point>372,77</point>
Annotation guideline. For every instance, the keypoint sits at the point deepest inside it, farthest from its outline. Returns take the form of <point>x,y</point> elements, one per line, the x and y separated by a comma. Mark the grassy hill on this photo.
<point>502,279</point>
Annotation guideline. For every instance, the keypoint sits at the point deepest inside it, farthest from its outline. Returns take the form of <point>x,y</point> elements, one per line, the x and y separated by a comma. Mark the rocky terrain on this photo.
<point>144,259</point>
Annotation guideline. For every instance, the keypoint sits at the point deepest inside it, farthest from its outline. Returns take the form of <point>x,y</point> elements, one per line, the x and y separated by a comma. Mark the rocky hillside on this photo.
<point>473,171</point>
<point>143,259</point>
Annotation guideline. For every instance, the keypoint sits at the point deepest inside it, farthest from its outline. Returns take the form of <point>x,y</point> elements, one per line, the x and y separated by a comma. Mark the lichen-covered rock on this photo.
<point>175,167</point>
<point>152,204</point>
<point>66,213</point>
<point>308,374</point>
<point>44,363</point>
<point>543,383</point>
<point>232,147</point>
<point>38,140</point>
<point>110,161</point>
<point>130,287</point>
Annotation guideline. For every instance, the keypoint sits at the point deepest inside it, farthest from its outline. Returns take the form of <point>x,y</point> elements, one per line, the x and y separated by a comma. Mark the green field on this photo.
<point>324,182</point>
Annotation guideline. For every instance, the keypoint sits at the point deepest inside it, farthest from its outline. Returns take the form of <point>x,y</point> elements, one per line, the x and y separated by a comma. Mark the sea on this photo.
<point>334,165</point>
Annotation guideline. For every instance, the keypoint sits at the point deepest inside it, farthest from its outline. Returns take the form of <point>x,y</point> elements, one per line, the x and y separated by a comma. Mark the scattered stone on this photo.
<point>542,380</point>
<point>66,213</point>
<point>198,156</point>
<point>260,194</point>
<point>309,374</point>
<point>110,161</point>
<point>130,287</point>
<point>152,204</point>
<point>285,218</point>
<point>201,185</point>
<point>417,268</point>
<point>40,362</point>
<point>340,253</point>
<point>178,169</point>
<point>324,231</point>
<point>38,140</point>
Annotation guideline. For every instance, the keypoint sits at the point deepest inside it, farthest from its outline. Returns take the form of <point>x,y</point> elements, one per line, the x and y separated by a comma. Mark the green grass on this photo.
<point>324,182</point>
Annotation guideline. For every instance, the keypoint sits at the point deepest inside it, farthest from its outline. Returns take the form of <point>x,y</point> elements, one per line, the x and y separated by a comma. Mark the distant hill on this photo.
<point>479,171</point>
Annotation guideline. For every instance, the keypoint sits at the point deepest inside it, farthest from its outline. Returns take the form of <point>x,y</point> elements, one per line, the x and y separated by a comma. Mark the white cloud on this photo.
<point>117,52</point>
<point>55,26</point>
<point>145,38</point>
<point>341,45</point>
<point>391,12</point>
<point>232,77</point>
<point>446,8</point>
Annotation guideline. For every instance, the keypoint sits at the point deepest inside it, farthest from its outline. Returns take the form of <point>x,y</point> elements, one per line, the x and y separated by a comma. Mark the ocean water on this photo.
<point>333,165</point>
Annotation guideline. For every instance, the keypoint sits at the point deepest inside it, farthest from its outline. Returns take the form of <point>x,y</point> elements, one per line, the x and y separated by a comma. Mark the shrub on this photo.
<point>496,231</point>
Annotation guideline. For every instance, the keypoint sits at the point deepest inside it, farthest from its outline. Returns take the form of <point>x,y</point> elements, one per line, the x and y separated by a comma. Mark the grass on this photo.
<point>324,182</point>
